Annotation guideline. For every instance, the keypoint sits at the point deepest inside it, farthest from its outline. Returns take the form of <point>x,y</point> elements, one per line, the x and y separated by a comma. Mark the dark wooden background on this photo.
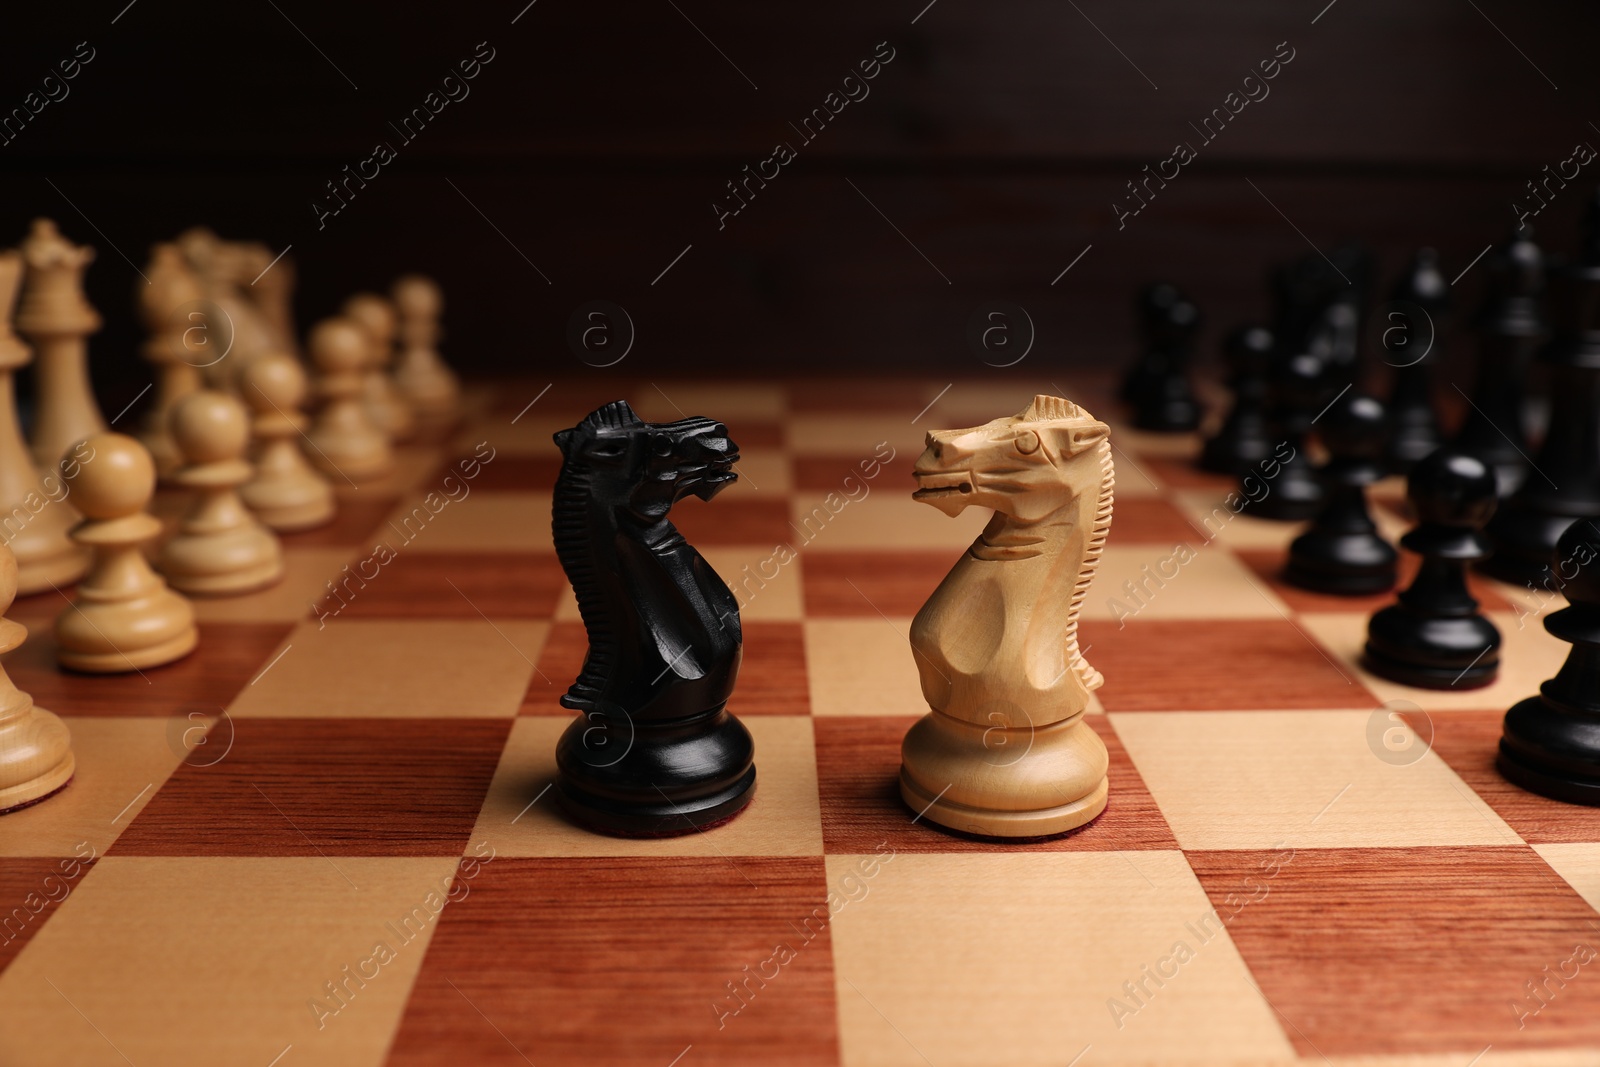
<point>595,142</point>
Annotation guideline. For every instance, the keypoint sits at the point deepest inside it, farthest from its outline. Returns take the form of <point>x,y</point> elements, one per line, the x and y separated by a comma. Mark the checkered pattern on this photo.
<point>360,864</point>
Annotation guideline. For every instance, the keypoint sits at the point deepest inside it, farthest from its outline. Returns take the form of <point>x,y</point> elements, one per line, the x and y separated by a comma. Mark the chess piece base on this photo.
<point>53,572</point>
<point>208,565</point>
<point>1552,753</point>
<point>286,515</point>
<point>125,660</point>
<point>637,779</point>
<point>35,758</point>
<point>1524,546</point>
<point>1454,653</point>
<point>1341,564</point>
<point>999,781</point>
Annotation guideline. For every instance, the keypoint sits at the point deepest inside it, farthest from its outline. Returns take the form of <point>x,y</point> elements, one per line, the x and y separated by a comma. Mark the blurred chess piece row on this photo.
<point>258,443</point>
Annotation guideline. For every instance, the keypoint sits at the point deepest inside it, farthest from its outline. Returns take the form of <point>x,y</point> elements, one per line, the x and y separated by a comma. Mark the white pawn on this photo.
<point>35,747</point>
<point>287,493</point>
<point>220,548</point>
<point>427,382</point>
<point>125,617</point>
<point>387,406</point>
<point>344,443</point>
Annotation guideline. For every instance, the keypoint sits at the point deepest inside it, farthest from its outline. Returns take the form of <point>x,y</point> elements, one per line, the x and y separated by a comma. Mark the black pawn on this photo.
<point>1159,390</point>
<point>1551,743</point>
<point>1342,553</point>
<point>1434,637</point>
<point>1411,336</point>
<point>1242,441</point>
<point>1285,486</point>
<point>654,751</point>
<point>1564,484</point>
<point>1509,327</point>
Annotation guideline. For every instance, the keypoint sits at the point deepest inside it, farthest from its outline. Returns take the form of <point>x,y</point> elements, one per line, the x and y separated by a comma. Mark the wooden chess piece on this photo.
<point>1510,325</point>
<point>175,317</point>
<point>1294,493</point>
<point>220,548</point>
<point>655,752</point>
<point>272,288</point>
<point>387,406</point>
<point>35,746</point>
<point>57,320</point>
<point>125,618</point>
<point>427,382</point>
<point>1005,751</point>
<point>287,493</point>
<point>1342,552</point>
<point>1433,637</point>
<point>36,515</point>
<point>1422,296</point>
<point>1565,483</point>
<point>1242,441</point>
<point>344,443</point>
<point>1551,743</point>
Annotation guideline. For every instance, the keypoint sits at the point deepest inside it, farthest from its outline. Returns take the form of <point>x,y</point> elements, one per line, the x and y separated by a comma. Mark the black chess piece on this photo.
<point>1564,484</point>
<point>1551,742</point>
<point>1342,553</point>
<point>1433,637</point>
<point>1242,441</point>
<point>655,751</point>
<point>1293,492</point>
<point>1509,327</point>
<point>1411,345</point>
<point>1158,390</point>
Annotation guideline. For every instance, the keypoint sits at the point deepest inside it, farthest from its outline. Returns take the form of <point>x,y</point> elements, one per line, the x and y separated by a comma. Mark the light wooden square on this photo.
<point>858,436</point>
<point>1212,584</point>
<point>1528,656</point>
<point>253,941</point>
<point>943,959</point>
<point>1209,511</point>
<point>862,667</point>
<point>490,522</point>
<point>884,519</point>
<point>121,765</point>
<point>353,668</point>
<point>519,818</point>
<point>668,401</point>
<point>305,576</point>
<point>1308,779</point>
<point>1579,864</point>
<point>1134,478</point>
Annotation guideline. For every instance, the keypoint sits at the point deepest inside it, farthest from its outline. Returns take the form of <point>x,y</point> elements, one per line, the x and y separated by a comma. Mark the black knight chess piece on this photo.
<point>1342,552</point>
<point>1434,637</point>
<point>1242,441</point>
<point>1509,327</point>
<point>1551,743</point>
<point>655,751</point>
<point>1564,483</point>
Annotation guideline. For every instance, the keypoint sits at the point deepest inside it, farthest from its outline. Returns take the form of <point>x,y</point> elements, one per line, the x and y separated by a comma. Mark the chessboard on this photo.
<point>328,837</point>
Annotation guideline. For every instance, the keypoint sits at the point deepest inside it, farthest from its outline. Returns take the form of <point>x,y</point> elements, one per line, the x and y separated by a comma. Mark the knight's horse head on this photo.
<point>1018,466</point>
<point>644,468</point>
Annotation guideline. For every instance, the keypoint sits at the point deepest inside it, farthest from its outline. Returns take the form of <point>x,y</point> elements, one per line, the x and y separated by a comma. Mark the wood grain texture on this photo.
<point>534,966</point>
<point>228,657</point>
<point>354,523</point>
<point>454,585</point>
<point>1435,950</point>
<point>335,787</point>
<point>852,584</point>
<point>1232,663</point>
<point>858,761</point>
<point>31,889</point>
<point>735,522</point>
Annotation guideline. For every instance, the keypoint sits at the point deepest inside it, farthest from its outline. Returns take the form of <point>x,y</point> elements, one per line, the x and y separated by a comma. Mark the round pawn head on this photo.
<point>375,315</point>
<point>210,427</point>
<point>1580,546</point>
<point>338,346</point>
<point>1451,488</point>
<point>1355,428</point>
<point>109,476</point>
<point>1154,299</point>
<point>273,381</point>
<point>417,295</point>
<point>1423,284</point>
<point>1249,348</point>
<point>1302,381</point>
